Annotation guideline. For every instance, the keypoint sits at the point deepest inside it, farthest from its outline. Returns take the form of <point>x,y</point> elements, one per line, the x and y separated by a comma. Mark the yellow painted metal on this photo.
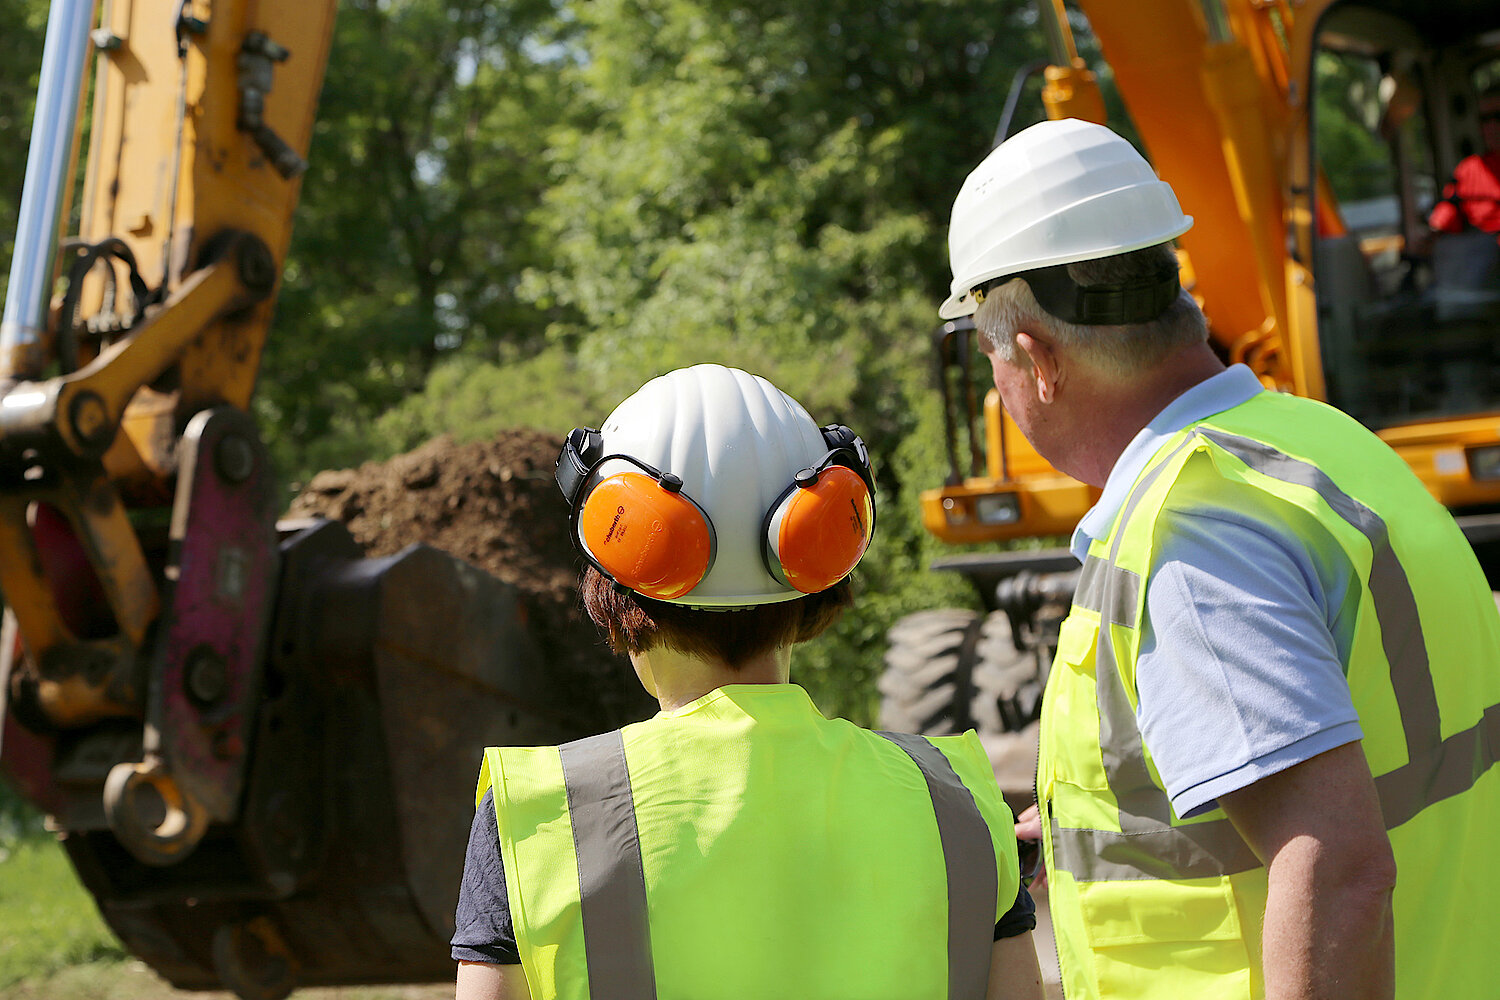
<point>26,590</point>
<point>98,518</point>
<point>1073,92</point>
<point>1210,120</point>
<point>1438,453</point>
<point>68,691</point>
<point>1049,505</point>
<point>174,187</point>
<point>166,184</point>
<point>116,374</point>
<point>1008,454</point>
<point>1071,89</point>
<point>1302,329</point>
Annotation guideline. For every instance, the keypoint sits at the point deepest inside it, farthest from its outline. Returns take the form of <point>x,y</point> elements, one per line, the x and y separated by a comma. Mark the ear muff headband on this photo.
<point>645,536</point>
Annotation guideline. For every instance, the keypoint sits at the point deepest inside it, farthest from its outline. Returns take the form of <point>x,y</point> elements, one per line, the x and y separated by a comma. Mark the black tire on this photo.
<point>952,669</point>
<point>1008,681</point>
<point>929,663</point>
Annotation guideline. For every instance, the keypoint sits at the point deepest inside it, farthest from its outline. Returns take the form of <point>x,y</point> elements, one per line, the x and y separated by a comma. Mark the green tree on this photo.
<point>411,232</point>
<point>1346,114</point>
<point>762,185</point>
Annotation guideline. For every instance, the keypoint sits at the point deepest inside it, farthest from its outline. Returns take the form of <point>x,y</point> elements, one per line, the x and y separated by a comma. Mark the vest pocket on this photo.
<point>1070,710</point>
<point>1182,937</point>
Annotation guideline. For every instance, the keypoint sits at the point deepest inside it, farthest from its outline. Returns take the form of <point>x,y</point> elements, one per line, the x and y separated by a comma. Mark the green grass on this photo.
<point>47,921</point>
<point>55,946</point>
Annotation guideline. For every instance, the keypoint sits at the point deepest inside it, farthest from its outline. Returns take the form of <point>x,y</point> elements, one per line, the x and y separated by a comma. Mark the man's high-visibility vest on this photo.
<point>745,847</point>
<point>1145,904</point>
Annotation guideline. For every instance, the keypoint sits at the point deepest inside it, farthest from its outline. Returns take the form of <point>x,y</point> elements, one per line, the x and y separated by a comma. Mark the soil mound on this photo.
<point>495,504</point>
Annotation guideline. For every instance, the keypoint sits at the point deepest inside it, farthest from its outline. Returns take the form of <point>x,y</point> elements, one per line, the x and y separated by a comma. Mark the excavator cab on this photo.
<point>1408,314</point>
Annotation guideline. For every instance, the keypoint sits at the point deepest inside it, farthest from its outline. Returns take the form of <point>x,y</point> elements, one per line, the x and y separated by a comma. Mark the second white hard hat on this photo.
<point>1055,193</point>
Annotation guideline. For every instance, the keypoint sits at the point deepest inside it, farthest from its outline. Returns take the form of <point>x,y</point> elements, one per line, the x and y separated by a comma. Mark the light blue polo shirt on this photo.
<point>1241,669</point>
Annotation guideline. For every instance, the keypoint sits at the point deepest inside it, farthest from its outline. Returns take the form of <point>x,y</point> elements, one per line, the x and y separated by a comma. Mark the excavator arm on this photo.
<point>257,745</point>
<point>122,409</point>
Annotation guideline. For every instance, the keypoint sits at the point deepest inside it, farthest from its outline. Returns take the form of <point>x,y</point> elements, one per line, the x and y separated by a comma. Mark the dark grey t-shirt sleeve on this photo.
<point>483,930</point>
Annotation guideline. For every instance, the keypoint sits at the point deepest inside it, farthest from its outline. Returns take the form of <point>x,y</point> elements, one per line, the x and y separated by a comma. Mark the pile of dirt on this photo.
<point>495,504</point>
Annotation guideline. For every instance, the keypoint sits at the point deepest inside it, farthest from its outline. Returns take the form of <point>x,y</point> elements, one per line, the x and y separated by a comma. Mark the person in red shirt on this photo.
<point>1472,198</point>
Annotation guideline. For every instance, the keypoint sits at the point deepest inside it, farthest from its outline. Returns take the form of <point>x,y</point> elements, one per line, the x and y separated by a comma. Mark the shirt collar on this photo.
<point>751,699</point>
<point>1223,391</point>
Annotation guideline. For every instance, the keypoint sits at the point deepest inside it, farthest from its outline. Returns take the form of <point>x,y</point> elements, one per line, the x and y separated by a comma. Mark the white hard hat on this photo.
<point>689,491</point>
<point>1055,193</point>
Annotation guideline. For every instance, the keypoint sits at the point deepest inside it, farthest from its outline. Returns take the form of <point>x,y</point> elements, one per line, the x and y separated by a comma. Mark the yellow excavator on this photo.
<point>256,744</point>
<point>1310,140</point>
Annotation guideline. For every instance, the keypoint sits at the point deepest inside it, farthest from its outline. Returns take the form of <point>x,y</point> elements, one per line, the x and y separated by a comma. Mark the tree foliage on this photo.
<point>1347,116</point>
<point>412,231</point>
<point>764,186</point>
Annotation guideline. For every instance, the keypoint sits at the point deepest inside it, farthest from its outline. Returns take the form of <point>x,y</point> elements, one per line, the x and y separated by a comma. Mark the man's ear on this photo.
<point>1045,368</point>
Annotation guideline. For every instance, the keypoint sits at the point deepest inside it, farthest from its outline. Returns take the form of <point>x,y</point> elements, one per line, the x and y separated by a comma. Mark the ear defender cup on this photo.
<point>819,529</point>
<point>646,536</point>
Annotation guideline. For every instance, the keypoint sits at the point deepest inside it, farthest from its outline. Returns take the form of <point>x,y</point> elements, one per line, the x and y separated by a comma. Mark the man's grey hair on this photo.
<point>1111,350</point>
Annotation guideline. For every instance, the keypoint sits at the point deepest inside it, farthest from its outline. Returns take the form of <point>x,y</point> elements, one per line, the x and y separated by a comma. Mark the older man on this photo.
<point>1279,684</point>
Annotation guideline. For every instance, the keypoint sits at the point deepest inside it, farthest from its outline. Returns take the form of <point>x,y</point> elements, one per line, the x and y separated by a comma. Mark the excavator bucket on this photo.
<point>383,680</point>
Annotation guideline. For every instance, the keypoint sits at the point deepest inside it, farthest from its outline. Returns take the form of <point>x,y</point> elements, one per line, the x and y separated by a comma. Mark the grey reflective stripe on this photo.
<point>1214,847</point>
<point>1436,768</point>
<point>1451,768</point>
<point>1147,845</point>
<point>1143,808</point>
<point>611,880</point>
<point>1198,850</point>
<point>1098,584</point>
<point>969,860</point>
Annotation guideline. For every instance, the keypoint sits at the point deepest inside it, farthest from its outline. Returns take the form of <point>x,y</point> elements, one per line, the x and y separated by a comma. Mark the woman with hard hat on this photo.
<point>738,844</point>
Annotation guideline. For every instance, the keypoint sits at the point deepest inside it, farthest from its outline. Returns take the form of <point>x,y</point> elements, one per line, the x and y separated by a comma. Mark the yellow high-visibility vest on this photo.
<point>1145,904</point>
<point>745,847</point>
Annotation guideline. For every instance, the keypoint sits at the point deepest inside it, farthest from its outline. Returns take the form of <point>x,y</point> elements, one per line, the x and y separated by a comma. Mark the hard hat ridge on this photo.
<point>1053,194</point>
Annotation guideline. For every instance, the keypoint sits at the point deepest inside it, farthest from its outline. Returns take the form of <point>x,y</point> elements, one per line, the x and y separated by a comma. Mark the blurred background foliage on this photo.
<point>517,212</point>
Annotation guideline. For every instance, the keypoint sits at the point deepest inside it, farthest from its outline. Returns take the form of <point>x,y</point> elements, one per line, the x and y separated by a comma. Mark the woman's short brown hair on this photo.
<point>636,624</point>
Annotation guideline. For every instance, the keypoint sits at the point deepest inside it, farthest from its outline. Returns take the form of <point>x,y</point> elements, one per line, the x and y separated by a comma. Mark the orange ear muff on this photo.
<point>655,541</point>
<point>818,532</point>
